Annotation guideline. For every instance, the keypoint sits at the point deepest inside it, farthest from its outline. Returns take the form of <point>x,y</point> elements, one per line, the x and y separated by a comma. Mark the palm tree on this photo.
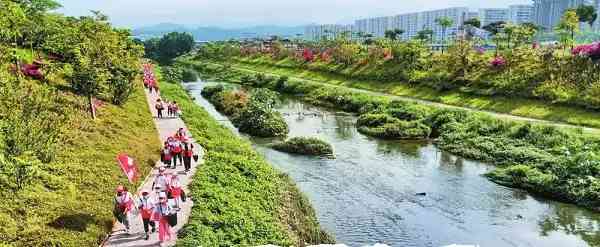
<point>444,22</point>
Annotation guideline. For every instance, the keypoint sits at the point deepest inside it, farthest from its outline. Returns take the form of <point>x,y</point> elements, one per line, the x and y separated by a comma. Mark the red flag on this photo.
<point>129,167</point>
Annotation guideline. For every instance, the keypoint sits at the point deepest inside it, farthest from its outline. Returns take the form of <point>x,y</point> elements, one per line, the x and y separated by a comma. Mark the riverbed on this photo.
<point>406,193</point>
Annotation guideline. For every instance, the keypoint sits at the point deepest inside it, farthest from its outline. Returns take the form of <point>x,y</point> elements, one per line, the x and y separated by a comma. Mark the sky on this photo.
<point>245,13</point>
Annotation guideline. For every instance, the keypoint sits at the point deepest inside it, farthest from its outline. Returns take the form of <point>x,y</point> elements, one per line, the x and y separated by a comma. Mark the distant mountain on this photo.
<point>216,33</point>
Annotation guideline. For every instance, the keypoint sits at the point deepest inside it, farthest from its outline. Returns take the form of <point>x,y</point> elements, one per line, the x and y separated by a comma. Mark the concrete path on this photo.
<point>166,127</point>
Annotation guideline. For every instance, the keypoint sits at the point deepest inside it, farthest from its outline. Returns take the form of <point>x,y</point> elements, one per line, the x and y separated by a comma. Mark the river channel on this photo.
<point>368,194</point>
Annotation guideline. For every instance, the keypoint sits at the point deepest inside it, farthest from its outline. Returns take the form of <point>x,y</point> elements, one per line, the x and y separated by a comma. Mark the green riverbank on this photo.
<point>517,106</point>
<point>558,163</point>
<point>240,199</point>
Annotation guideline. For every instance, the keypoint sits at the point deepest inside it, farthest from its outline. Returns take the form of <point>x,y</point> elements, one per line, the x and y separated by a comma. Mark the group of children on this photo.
<point>155,209</point>
<point>172,108</point>
<point>159,207</point>
<point>178,148</point>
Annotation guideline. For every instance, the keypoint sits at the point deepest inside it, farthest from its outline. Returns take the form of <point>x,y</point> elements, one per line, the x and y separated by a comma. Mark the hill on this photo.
<point>217,33</point>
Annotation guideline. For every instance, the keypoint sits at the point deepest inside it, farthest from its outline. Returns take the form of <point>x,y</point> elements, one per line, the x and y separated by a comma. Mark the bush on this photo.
<point>252,114</point>
<point>305,145</point>
<point>398,129</point>
<point>188,75</point>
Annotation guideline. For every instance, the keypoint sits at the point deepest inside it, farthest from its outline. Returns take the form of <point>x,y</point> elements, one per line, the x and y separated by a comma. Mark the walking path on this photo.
<point>432,103</point>
<point>166,127</point>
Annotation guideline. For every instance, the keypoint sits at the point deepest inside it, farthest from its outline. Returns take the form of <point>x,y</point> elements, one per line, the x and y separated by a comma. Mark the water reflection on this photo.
<point>369,193</point>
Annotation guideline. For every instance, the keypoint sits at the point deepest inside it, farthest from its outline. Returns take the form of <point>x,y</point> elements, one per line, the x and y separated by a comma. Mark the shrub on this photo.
<point>305,145</point>
<point>405,130</point>
<point>188,75</point>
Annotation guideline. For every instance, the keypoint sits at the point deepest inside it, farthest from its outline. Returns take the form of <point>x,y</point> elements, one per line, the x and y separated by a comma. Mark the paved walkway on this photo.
<point>166,127</point>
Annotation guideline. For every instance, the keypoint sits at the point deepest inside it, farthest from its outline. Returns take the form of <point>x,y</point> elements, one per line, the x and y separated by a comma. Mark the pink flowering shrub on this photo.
<point>498,62</point>
<point>589,50</point>
<point>308,55</point>
<point>32,70</point>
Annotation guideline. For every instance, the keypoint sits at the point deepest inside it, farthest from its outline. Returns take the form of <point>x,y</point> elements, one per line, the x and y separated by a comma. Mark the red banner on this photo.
<point>129,167</point>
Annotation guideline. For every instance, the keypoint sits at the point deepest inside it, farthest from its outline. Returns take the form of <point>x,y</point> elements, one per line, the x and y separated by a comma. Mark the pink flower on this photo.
<point>498,62</point>
<point>308,55</point>
<point>588,50</point>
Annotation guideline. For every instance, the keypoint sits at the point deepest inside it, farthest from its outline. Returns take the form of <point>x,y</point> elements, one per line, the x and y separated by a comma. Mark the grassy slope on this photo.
<point>240,200</point>
<point>516,106</point>
<point>77,211</point>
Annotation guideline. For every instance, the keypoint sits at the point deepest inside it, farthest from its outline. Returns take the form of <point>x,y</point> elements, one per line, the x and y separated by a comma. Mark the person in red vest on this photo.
<point>123,205</point>
<point>176,190</point>
<point>146,206</point>
<point>166,155</point>
<point>188,153</point>
<point>161,182</point>
<point>176,150</point>
<point>162,213</point>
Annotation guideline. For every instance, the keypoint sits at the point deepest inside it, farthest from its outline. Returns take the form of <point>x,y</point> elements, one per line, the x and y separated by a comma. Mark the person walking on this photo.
<point>159,108</point>
<point>188,153</point>
<point>176,150</point>
<point>146,206</point>
<point>169,108</point>
<point>123,205</point>
<point>163,212</point>
<point>176,191</point>
<point>161,182</point>
<point>166,155</point>
<point>176,110</point>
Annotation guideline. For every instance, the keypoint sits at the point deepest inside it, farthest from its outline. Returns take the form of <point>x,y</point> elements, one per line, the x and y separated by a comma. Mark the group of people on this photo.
<point>178,148</point>
<point>159,206</point>
<point>172,108</point>
<point>154,207</point>
<point>150,82</point>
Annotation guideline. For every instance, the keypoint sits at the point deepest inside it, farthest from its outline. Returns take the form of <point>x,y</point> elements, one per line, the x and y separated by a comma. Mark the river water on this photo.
<point>368,194</point>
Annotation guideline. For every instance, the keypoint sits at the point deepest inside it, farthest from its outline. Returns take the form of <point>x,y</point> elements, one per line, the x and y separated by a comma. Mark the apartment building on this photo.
<point>519,14</point>
<point>327,31</point>
<point>547,13</point>
<point>491,15</point>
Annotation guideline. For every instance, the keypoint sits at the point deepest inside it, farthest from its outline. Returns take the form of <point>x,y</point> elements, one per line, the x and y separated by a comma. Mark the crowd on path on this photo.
<point>156,207</point>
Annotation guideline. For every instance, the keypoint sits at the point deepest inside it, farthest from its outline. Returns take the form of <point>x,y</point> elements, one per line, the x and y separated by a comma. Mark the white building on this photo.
<point>519,14</point>
<point>412,23</point>
<point>547,13</point>
<point>491,15</point>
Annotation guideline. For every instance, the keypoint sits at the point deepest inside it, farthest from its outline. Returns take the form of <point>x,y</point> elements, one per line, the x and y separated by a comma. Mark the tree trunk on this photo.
<point>92,107</point>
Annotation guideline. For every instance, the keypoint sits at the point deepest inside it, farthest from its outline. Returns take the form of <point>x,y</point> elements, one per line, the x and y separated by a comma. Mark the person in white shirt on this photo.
<point>161,182</point>
<point>124,203</point>
<point>146,205</point>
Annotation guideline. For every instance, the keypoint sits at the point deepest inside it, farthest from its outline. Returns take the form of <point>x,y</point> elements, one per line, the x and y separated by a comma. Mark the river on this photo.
<point>368,194</point>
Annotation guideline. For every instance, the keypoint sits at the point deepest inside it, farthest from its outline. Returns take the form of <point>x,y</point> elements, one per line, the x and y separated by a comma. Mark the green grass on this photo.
<point>240,199</point>
<point>523,107</point>
<point>75,207</point>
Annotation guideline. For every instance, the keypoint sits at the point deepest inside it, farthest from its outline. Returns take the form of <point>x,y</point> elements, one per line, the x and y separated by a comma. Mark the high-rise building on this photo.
<point>520,13</point>
<point>412,23</point>
<point>491,15</point>
<point>547,13</point>
<point>472,15</point>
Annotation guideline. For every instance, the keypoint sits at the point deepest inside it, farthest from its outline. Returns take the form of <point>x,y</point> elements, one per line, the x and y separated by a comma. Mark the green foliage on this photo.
<point>306,146</point>
<point>557,163</point>
<point>474,22</point>
<point>168,47</point>
<point>240,199</point>
<point>253,115</point>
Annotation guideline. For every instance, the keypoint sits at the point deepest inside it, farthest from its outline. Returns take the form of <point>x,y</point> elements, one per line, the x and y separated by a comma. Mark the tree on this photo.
<point>444,22</point>
<point>568,25</point>
<point>473,22</point>
<point>587,14</point>
<point>168,47</point>
<point>495,28</point>
<point>393,34</point>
